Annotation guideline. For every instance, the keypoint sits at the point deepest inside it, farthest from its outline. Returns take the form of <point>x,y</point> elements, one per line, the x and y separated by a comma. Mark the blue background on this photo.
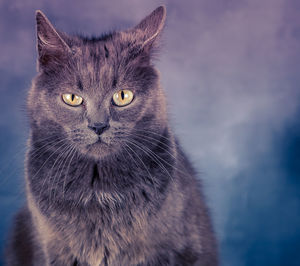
<point>230,69</point>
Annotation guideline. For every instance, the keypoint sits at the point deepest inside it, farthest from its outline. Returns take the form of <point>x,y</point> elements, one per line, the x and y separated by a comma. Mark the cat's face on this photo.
<point>96,94</point>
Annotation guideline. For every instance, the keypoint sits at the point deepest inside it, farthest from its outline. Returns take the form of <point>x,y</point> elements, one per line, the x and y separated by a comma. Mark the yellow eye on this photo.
<point>72,99</point>
<point>123,97</point>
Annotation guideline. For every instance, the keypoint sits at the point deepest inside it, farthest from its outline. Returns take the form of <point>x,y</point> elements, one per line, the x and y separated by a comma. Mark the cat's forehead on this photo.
<point>94,73</point>
<point>92,50</point>
<point>107,46</point>
<point>101,63</point>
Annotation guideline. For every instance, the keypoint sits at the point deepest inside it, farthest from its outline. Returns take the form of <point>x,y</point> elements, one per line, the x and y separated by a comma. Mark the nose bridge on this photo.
<point>96,113</point>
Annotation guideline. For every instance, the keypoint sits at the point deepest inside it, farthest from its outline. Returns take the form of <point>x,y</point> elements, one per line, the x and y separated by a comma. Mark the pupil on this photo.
<point>122,95</point>
<point>72,97</point>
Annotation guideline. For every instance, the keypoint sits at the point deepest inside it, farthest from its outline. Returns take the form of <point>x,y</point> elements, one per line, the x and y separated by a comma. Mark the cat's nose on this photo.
<point>99,128</point>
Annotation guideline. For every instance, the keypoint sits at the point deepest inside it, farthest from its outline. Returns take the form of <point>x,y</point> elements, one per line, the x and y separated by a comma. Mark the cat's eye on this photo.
<point>72,99</point>
<point>123,97</point>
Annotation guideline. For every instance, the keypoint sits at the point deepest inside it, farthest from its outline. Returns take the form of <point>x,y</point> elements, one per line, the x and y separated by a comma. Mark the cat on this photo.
<point>106,180</point>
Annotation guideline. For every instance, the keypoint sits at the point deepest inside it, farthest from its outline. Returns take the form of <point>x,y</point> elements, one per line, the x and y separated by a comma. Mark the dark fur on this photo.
<point>131,199</point>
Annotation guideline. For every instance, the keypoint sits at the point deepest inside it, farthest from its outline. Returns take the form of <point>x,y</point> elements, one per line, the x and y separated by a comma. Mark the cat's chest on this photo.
<point>96,238</point>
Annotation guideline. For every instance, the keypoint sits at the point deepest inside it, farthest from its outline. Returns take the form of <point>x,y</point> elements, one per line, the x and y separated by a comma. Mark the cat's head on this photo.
<point>92,93</point>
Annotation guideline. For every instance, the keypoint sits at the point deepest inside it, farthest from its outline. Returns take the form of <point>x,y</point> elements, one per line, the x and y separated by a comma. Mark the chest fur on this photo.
<point>96,238</point>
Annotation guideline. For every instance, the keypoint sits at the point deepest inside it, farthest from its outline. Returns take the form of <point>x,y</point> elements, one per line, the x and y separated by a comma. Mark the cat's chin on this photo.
<point>99,150</point>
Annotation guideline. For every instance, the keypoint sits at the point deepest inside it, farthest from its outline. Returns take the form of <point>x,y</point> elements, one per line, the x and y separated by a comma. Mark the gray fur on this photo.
<point>131,198</point>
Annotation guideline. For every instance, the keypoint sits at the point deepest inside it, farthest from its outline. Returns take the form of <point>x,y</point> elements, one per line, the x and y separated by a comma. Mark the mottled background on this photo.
<point>231,72</point>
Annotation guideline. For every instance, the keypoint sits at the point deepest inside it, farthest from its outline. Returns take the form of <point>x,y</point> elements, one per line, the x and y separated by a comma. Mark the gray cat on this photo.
<point>106,181</point>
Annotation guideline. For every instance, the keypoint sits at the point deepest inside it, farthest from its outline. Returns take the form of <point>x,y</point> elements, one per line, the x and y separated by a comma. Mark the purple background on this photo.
<point>231,72</point>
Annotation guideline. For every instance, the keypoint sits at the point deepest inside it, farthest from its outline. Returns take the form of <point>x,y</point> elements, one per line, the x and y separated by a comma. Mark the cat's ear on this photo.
<point>150,28</point>
<point>52,49</point>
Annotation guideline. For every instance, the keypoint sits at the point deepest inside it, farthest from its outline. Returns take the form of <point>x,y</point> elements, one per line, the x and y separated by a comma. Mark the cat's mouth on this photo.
<point>95,146</point>
<point>99,141</point>
<point>99,149</point>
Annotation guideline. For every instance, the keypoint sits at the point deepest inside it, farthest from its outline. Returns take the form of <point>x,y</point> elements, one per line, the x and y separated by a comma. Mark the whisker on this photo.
<point>152,157</point>
<point>161,159</point>
<point>68,168</point>
<point>142,137</point>
<point>144,166</point>
<point>152,132</point>
<point>36,154</point>
<point>128,152</point>
<point>158,139</point>
<point>64,148</point>
<point>54,152</point>
<point>61,165</point>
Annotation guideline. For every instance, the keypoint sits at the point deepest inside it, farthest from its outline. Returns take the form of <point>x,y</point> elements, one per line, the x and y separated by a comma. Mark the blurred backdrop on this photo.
<point>230,69</point>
